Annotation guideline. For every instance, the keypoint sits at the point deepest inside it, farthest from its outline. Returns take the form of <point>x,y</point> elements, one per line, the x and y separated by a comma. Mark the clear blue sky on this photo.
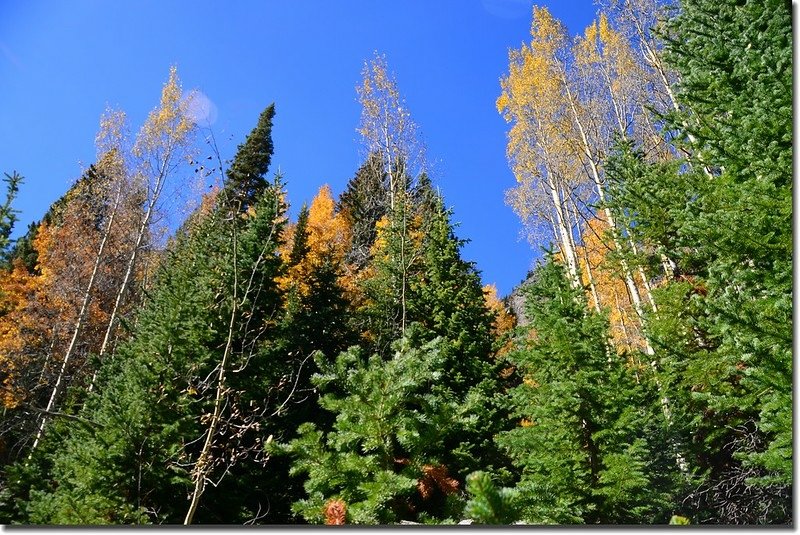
<point>63,62</point>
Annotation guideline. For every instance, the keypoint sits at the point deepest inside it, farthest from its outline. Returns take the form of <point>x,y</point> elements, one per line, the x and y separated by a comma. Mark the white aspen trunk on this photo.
<point>622,323</point>
<point>668,265</point>
<point>594,166</point>
<point>648,290</point>
<point>390,170</point>
<point>403,274</point>
<point>629,282</point>
<point>86,301</point>
<point>652,58</point>
<point>587,263</point>
<point>156,193</point>
<point>564,232</point>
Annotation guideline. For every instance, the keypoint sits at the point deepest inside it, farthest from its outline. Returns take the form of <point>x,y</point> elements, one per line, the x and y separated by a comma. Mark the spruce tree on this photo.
<point>453,428</point>
<point>723,216</point>
<point>735,61</point>
<point>247,174</point>
<point>363,203</point>
<point>8,215</point>
<point>382,460</point>
<point>583,445</point>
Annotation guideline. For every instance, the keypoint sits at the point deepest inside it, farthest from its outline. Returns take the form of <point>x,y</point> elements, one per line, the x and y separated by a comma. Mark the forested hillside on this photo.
<point>348,366</point>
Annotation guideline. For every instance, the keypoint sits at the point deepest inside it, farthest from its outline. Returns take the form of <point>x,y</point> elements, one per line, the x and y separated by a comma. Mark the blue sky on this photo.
<point>63,62</point>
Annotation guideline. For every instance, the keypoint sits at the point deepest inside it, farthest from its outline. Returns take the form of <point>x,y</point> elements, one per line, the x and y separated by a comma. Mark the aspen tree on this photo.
<point>388,130</point>
<point>110,144</point>
<point>162,143</point>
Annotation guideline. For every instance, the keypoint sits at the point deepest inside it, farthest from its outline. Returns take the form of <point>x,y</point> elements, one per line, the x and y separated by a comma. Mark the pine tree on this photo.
<point>382,459</point>
<point>445,307</point>
<point>723,217</point>
<point>363,203</point>
<point>8,215</point>
<point>735,62</point>
<point>583,445</point>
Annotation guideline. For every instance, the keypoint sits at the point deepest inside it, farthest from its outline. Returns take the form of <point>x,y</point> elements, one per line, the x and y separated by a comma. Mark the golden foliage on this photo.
<point>18,290</point>
<point>504,321</point>
<point>168,125</point>
<point>328,236</point>
<point>610,286</point>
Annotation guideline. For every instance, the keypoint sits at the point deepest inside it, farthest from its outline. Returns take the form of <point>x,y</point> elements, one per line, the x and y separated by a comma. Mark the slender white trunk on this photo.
<point>158,186</point>
<point>389,164</point>
<point>653,58</point>
<point>568,251</point>
<point>586,260</point>
<point>86,301</point>
<point>595,173</point>
<point>629,282</point>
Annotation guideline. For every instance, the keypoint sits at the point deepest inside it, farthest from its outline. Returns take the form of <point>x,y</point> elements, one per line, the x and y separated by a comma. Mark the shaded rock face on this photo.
<point>515,301</point>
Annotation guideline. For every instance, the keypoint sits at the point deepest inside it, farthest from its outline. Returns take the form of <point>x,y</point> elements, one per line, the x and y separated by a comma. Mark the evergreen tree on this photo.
<point>586,446</point>
<point>8,215</point>
<point>488,504</point>
<point>445,307</point>
<point>735,61</point>
<point>382,460</point>
<point>363,203</point>
<point>723,329</point>
<point>184,401</point>
<point>247,173</point>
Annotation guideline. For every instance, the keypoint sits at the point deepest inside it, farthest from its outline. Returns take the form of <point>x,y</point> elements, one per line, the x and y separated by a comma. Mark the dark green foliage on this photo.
<point>300,244</point>
<point>246,175</point>
<point>585,447</point>
<point>153,399</point>
<point>447,299</point>
<point>149,401</point>
<point>735,61</point>
<point>423,416</point>
<point>422,421</point>
<point>723,334</point>
<point>23,248</point>
<point>363,203</point>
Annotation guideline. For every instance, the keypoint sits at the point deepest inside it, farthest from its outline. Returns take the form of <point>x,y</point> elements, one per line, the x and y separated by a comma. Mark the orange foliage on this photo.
<point>504,320</point>
<point>41,311</point>
<point>18,291</point>
<point>435,477</point>
<point>335,513</point>
<point>610,285</point>
<point>328,236</point>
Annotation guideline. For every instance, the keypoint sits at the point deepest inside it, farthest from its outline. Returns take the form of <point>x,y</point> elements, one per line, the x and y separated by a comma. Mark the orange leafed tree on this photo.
<point>610,288</point>
<point>504,321</point>
<point>18,329</point>
<point>326,241</point>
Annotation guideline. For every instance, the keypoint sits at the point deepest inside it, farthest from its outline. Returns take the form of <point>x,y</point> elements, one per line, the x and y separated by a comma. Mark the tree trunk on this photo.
<point>86,301</point>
